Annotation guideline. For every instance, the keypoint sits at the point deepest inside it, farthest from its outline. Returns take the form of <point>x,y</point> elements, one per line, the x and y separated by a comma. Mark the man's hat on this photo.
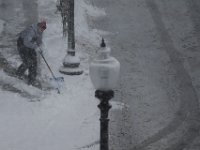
<point>42,25</point>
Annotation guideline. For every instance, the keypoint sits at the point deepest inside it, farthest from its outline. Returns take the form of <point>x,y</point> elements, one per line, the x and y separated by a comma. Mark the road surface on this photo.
<point>157,44</point>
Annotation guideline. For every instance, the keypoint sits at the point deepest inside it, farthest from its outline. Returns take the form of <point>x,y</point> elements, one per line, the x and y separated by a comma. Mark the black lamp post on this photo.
<point>104,73</point>
<point>104,106</point>
<point>71,62</point>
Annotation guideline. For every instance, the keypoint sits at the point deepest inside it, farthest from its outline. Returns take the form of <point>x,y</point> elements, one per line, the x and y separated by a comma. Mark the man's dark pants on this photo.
<point>29,61</point>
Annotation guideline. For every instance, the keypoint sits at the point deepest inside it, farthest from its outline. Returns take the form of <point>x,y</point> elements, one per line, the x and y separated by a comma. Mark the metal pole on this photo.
<point>104,106</point>
<point>71,33</point>
<point>71,62</point>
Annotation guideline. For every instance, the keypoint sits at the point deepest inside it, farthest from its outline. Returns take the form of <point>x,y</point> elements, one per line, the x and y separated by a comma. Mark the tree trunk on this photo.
<point>63,7</point>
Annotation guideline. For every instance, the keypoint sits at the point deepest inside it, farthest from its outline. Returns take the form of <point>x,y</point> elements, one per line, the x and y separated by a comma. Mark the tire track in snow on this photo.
<point>189,107</point>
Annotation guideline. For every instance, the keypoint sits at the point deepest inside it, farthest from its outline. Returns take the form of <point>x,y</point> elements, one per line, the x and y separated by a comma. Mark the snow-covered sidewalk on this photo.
<point>69,120</point>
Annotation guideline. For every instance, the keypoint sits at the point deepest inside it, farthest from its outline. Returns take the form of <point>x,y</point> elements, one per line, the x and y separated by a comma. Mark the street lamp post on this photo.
<point>104,74</point>
<point>104,106</point>
<point>71,62</point>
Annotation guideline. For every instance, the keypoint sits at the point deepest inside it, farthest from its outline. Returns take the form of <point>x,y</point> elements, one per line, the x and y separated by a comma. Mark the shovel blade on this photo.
<point>57,79</point>
<point>57,82</point>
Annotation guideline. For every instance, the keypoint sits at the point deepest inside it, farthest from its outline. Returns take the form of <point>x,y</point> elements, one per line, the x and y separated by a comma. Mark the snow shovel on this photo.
<point>57,80</point>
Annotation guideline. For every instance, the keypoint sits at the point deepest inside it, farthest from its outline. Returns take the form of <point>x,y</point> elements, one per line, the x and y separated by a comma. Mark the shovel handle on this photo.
<point>50,71</point>
<point>48,66</point>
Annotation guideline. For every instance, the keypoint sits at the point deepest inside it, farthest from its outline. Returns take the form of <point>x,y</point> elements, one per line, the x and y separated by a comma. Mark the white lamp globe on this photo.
<point>104,70</point>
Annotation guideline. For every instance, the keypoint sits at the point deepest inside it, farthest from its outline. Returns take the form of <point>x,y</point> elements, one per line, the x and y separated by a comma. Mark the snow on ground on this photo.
<point>69,120</point>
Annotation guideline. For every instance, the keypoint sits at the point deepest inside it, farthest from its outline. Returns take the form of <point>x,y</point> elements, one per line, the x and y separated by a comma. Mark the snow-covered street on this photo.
<point>157,43</point>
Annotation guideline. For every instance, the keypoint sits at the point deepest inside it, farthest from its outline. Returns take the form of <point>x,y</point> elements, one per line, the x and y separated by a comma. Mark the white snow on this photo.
<point>65,121</point>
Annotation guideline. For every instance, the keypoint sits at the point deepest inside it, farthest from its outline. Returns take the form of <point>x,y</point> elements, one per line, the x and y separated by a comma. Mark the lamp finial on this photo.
<point>103,44</point>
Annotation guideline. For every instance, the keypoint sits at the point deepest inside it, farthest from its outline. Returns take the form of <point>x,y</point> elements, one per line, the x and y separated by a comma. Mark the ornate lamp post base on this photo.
<point>71,71</point>
<point>104,106</point>
<point>71,64</point>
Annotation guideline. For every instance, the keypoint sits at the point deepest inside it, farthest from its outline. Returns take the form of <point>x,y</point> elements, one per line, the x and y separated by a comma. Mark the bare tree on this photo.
<point>64,8</point>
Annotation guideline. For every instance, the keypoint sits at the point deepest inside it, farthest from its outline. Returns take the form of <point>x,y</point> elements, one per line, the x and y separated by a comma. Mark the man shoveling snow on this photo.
<point>28,45</point>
